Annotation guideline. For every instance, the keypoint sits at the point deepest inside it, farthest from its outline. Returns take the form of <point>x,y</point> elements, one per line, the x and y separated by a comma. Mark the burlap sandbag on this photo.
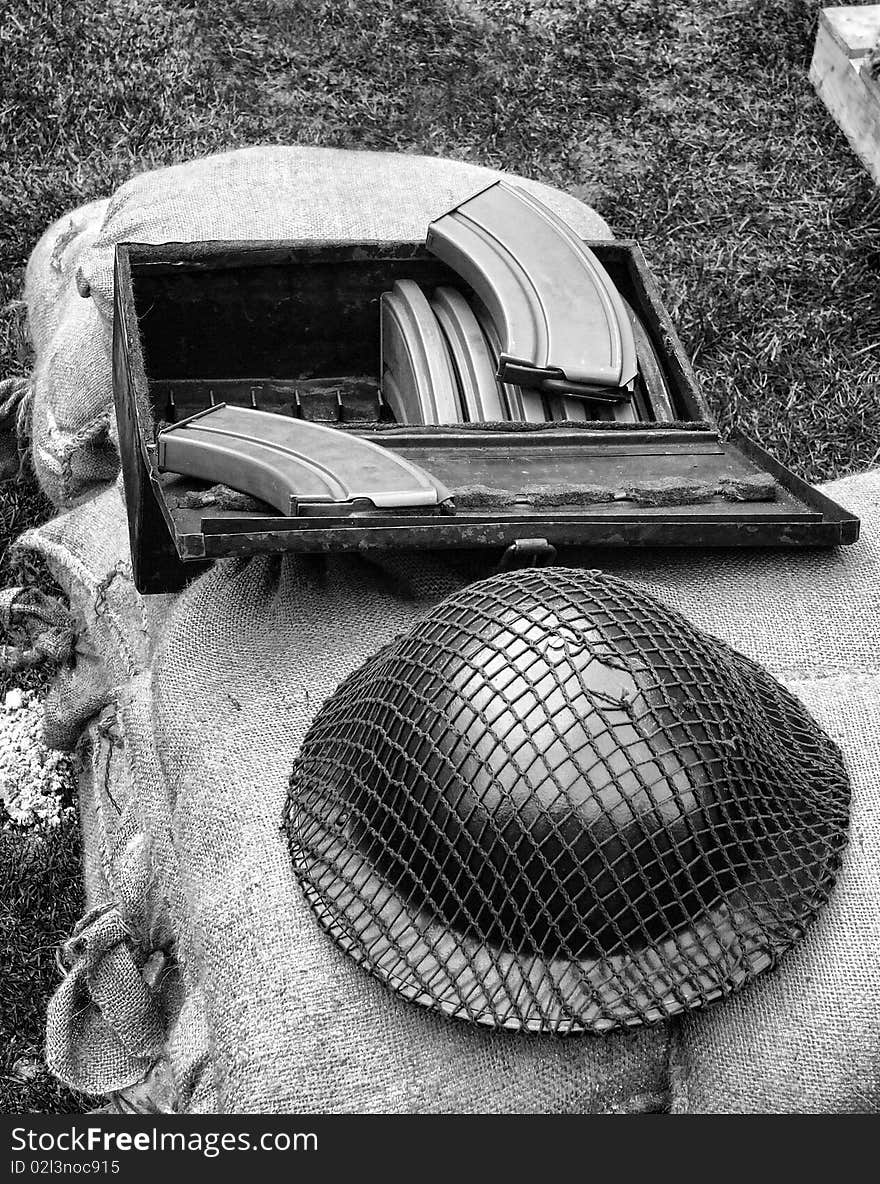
<point>277,1018</point>
<point>199,969</point>
<point>72,428</point>
<point>254,193</point>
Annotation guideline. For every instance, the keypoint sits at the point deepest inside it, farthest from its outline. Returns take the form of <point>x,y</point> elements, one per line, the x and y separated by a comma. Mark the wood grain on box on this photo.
<point>844,39</point>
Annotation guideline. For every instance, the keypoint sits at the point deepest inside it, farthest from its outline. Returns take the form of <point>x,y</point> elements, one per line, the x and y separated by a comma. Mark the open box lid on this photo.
<point>195,323</point>
<point>571,488</point>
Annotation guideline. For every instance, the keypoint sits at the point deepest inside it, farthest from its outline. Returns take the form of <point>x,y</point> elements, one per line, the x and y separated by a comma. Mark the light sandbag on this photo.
<point>265,192</point>
<point>770,1049</point>
<point>288,1022</point>
<point>71,398</point>
<point>199,979</point>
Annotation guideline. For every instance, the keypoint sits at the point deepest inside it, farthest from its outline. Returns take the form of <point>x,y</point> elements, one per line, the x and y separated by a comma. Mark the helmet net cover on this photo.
<point>557,806</point>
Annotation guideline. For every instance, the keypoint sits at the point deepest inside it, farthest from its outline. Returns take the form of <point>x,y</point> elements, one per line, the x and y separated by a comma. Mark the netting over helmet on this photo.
<point>557,806</point>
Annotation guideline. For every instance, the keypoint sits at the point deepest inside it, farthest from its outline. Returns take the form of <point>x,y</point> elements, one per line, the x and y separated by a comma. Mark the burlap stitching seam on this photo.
<point>91,432</point>
<point>65,555</point>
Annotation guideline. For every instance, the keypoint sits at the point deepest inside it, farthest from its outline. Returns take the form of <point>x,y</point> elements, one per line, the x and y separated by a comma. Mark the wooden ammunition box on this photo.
<point>293,328</point>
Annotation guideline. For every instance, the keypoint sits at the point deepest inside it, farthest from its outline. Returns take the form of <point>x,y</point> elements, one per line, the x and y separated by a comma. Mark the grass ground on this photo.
<point>690,126</point>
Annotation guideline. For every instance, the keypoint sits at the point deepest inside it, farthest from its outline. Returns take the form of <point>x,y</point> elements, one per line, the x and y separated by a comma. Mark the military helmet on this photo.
<point>557,806</point>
